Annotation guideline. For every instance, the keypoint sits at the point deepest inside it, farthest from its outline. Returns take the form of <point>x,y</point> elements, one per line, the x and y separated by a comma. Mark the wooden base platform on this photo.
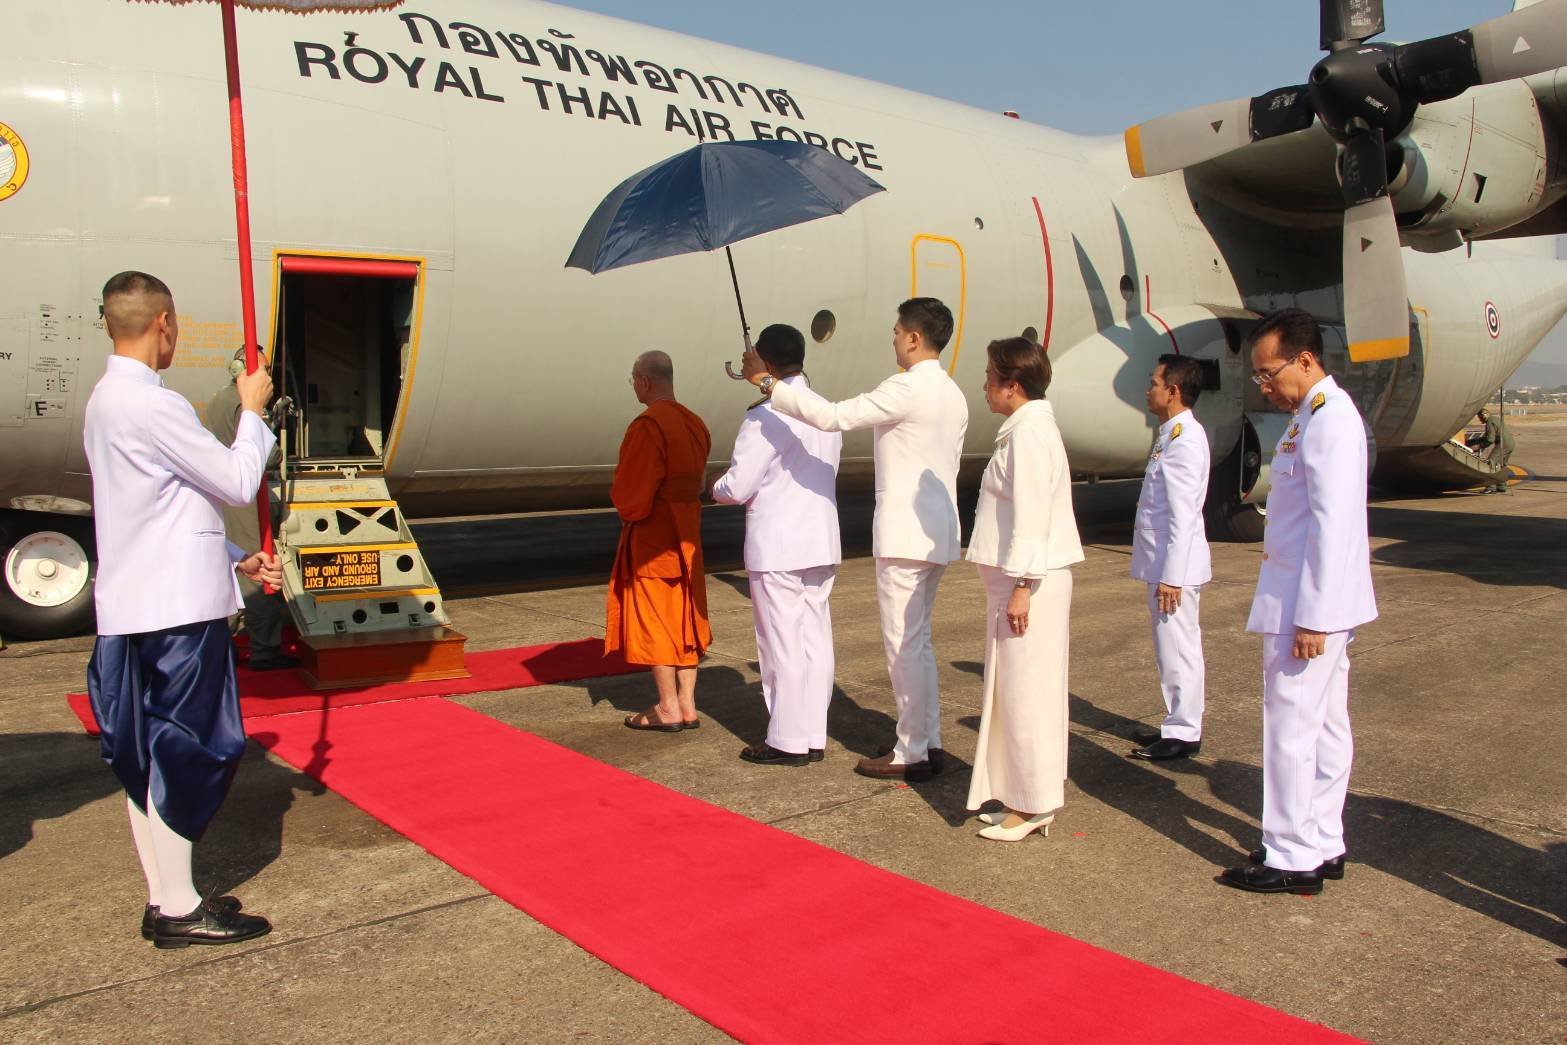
<point>373,657</point>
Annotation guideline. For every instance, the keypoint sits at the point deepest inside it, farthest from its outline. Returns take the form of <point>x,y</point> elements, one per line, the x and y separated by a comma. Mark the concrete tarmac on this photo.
<point>1449,926</point>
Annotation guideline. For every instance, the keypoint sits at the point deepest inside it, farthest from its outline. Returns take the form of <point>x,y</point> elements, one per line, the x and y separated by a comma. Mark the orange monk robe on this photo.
<point>657,606</point>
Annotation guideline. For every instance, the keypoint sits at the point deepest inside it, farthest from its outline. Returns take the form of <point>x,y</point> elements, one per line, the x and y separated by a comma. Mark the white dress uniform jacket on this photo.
<point>919,418</point>
<point>1025,527</point>
<point>786,474</point>
<point>1316,561</point>
<point>1169,545</point>
<point>1024,524</point>
<point>159,480</point>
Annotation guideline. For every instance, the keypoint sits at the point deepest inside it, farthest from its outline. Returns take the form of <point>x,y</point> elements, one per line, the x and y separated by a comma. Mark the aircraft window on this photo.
<point>1127,288</point>
<point>979,223</point>
<point>823,326</point>
<point>1031,334</point>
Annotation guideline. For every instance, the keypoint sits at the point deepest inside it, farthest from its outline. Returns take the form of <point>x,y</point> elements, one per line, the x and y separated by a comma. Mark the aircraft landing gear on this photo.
<point>47,567</point>
<point>1228,517</point>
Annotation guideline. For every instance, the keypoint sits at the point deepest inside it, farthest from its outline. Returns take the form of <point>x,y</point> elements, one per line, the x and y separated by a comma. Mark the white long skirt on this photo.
<point>1022,733</point>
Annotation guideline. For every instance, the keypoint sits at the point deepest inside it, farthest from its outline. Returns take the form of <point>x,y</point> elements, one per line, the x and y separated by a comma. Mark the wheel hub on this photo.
<point>46,569</point>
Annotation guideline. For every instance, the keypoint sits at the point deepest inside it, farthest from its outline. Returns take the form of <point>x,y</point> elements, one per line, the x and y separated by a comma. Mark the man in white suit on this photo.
<point>1170,553</point>
<point>918,418</point>
<point>785,473</point>
<point>1313,591</point>
<point>161,678</point>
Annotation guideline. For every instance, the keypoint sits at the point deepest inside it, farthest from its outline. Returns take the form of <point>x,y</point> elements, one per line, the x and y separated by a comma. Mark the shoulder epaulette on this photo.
<point>1317,401</point>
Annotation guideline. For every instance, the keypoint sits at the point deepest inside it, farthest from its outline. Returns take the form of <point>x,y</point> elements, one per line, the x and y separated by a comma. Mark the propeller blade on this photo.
<point>1527,41</point>
<point>1363,167</point>
<point>1192,136</point>
<point>1347,22</point>
<point>1376,299</point>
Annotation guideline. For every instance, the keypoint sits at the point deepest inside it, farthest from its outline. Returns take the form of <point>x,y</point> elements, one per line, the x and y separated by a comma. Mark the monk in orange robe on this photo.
<point>656,613</point>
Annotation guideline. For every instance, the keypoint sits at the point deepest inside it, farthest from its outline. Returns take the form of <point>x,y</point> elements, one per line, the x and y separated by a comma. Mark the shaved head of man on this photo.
<point>138,312</point>
<point>653,377</point>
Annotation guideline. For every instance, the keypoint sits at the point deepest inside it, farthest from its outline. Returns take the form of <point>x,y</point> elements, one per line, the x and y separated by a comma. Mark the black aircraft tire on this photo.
<point>20,619</point>
<point>1229,519</point>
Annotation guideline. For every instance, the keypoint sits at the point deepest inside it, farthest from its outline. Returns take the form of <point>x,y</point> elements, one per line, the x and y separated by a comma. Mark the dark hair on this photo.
<point>1184,373</point>
<point>929,318</point>
<point>1297,331</point>
<point>135,283</point>
<point>129,305</point>
<point>1021,360</point>
<point>782,346</point>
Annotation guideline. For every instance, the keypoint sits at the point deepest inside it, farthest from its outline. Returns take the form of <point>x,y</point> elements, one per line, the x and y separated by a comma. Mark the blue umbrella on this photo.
<point>713,195</point>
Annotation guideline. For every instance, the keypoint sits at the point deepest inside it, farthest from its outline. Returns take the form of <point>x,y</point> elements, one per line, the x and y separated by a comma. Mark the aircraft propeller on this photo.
<point>1366,95</point>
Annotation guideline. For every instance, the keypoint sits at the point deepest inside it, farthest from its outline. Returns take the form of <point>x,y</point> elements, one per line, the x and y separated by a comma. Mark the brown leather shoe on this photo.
<point>936,756</point>
<point>884,768</point>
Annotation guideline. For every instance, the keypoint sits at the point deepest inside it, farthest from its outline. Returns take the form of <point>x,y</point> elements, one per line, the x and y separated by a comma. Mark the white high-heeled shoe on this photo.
<point>1021,830</point>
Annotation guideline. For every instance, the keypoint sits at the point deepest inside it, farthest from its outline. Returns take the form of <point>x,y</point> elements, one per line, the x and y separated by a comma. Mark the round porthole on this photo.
<point>360,616</point>
<point>1031,334</point>
<point>321,525</point>
<point>429,607</point>
<point>405,563</point>
<point>823,326</point>
<point>1127,288</point>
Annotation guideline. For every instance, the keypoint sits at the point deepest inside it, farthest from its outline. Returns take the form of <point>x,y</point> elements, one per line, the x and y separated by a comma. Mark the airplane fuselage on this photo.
<point>469,140</point>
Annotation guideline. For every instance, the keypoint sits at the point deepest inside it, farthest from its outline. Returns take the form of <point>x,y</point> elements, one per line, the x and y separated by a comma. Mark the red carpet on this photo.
<point>852,953</point>
<point>284,692</point>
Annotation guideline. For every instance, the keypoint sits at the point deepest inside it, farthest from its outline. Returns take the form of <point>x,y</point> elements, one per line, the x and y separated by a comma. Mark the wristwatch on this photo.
<point>1022,582</point>
<point>766,384</point>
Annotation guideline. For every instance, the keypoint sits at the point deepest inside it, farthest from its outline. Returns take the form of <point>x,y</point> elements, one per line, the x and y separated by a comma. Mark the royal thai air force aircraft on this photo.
<point>419,176</point>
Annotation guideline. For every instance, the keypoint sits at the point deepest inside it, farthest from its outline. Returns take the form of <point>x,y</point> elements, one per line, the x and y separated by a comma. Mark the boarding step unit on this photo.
<point>367,609</point>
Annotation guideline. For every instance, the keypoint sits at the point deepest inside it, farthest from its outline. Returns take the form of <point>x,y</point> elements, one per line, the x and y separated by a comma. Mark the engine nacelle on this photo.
<point>1473,165</point>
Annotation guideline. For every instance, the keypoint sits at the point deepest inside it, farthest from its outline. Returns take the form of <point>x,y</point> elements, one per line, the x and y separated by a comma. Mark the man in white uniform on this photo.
<point>786,473</point>
<point>918,417</point>
<point>1313,591</point>
<point>161,678</point>
<point>1170,553</point>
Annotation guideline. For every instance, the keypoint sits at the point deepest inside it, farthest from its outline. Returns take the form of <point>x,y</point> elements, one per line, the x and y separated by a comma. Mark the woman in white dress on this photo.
<point>1025,538</point>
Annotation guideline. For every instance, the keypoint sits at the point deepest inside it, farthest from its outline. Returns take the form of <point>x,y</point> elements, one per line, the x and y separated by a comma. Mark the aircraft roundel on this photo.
<point>1493,321</point>
<point>13,162</point>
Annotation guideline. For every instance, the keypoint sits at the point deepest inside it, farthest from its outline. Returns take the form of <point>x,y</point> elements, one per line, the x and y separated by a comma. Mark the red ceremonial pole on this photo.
<point>247,283</point>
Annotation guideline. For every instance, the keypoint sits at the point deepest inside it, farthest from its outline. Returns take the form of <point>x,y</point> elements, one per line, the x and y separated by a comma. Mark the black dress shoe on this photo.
<point>1259,878</point>
<point>816,754</point>
<point>207,924</point>
<point>1166,749</point>
<point>1333,868</point>
<point>767,755</point>
<point>274,662</point>
<point>150,915</point>
<point>1142,734</point>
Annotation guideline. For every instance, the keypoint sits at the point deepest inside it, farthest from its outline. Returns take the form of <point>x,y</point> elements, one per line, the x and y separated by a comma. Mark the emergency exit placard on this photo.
<point>324,571</point>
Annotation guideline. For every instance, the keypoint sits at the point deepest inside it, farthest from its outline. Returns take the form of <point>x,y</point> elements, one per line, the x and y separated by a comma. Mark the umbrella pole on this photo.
<point>745,328</point>
<point>247,288</point>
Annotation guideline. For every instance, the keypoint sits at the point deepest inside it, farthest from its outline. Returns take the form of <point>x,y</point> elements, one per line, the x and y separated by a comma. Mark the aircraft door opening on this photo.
<point>940,271</point>
<point>341,338</point>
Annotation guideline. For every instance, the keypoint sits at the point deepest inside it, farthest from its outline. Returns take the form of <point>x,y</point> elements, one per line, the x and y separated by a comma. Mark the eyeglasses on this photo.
<point>1267,378</point>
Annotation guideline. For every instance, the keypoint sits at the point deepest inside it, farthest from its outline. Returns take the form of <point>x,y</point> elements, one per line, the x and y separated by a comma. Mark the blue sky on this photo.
<point>1089,68</point>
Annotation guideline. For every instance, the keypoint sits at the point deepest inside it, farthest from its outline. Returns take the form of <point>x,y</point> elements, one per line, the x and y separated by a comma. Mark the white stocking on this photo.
<point>172,853</point>
<point>141,833</point>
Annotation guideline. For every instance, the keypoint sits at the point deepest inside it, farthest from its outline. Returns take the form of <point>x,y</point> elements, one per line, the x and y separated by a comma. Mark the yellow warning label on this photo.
<point>327,571</point>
